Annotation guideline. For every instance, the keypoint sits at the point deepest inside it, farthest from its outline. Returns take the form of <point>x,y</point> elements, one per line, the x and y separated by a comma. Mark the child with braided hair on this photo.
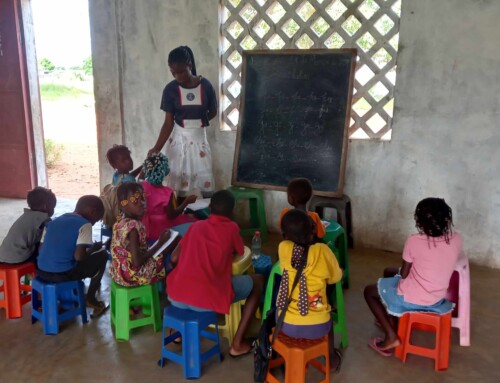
<point>420,285</point>
<point>309,313</point>
<point>162,211</point>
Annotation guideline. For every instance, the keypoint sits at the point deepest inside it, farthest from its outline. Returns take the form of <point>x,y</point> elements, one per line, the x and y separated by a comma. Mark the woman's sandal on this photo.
<point>99,309</point>
<point>177,340</point>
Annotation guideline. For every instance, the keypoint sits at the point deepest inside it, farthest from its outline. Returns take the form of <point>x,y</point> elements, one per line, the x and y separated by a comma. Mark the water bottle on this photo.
<point>256,244</point>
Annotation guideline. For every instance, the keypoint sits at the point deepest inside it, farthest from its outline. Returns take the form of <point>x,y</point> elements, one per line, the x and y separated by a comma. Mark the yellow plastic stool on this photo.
<point>241,265</point>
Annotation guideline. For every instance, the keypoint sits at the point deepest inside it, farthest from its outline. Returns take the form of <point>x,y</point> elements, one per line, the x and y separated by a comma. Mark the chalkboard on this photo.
<point>294,117</point>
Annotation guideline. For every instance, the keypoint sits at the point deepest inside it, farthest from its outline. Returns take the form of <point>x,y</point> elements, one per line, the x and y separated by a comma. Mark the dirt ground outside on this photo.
<point>71,125</point>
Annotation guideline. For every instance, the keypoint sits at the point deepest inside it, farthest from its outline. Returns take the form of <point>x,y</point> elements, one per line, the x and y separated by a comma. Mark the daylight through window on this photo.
<point>371,26</point>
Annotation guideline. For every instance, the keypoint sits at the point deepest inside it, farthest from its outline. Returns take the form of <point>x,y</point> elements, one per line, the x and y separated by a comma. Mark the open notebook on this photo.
<point>199,204</point>
<point>173,235</point>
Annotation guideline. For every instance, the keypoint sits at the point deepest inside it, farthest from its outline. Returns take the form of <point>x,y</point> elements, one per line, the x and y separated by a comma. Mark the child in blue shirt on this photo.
<point>68,254</point>
<point>21,243</point>
<point>119,158</point>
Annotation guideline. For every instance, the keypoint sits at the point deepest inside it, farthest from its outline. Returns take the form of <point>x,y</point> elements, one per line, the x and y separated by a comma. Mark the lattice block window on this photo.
<point>371,26</point>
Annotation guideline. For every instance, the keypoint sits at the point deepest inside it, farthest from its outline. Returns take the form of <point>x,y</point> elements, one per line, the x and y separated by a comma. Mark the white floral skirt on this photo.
<point>190,161</point>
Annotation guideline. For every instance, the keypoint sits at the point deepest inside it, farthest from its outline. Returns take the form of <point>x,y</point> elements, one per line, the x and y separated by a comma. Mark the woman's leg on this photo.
<point>377,308</point>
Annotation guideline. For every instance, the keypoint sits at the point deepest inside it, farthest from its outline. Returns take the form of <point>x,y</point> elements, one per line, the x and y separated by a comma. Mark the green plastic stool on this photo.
<point>336,239</point>
<point>123,298</point>
<point>338,315</point>
<point>257,210</point>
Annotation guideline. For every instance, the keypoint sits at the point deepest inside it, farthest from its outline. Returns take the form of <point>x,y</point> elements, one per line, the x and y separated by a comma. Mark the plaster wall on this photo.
<point>444,143</point>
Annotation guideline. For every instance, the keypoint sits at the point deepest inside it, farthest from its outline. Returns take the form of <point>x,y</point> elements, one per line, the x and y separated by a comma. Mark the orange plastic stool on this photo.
<point>440,324</point>
<point>12,287</point>
<point>297,355</point>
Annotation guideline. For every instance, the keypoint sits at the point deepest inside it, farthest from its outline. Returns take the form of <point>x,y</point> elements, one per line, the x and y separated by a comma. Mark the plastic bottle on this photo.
<point>256,245</point>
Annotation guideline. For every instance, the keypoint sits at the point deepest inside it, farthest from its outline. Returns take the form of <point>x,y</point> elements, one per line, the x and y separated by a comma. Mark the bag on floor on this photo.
<point>263,346</point>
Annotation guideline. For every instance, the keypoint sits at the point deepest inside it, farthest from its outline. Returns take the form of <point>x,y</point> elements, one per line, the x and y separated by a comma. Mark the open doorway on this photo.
<point>62,39</point>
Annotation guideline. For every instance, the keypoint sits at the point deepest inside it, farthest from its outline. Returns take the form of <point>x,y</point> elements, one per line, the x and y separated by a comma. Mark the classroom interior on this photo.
<point>444,143</point>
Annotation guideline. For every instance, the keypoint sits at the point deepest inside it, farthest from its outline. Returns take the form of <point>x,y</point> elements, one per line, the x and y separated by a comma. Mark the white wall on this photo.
<point>446,111</point>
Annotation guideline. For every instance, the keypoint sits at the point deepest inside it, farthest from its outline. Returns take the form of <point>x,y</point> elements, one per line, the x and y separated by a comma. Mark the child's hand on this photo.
<point>164,236</point>
<point>190,199</point>
<point>95,247</point>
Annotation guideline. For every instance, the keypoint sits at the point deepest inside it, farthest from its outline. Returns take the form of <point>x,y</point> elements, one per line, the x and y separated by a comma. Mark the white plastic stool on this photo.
<point>459,293</point>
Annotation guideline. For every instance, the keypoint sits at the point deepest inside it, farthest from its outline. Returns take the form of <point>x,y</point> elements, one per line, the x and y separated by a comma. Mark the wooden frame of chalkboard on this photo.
<point>294,118</point>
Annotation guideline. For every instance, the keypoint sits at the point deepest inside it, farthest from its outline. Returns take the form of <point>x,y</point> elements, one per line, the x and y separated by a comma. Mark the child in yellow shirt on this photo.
<point>309,313</point>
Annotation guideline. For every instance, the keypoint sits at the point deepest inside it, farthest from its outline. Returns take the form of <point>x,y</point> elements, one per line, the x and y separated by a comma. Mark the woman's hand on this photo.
<point>152,151</point>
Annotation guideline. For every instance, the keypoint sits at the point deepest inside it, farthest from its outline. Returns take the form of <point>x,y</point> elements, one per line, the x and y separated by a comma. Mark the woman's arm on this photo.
<point>165,132</point>
<point>173,212</point>
<point>211,114</point>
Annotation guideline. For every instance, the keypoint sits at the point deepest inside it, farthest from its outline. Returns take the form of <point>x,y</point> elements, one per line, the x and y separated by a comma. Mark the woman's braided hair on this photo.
<point>182,55</point>
<point>434,218</point>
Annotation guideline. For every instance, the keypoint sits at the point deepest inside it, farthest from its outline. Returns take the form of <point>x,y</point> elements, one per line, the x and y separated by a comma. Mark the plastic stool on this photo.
<point>297,355</point>
<point>338,315</point>
<point>15,292</point>
<point>191,325</point>
<point>459,293</point>
<point>57,302</point>
<point>263,265</point>
<point>336,240</point>
<point>240,266</point>
<point>123,298</point>
<point>344,211</point>
<point>440,324</point>
<point>257,210</point>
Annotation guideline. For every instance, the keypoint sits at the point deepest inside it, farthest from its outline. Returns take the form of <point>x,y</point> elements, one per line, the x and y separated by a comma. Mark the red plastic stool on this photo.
<point>440,324</point>
<point>297,355</point>
<point>12,287</point>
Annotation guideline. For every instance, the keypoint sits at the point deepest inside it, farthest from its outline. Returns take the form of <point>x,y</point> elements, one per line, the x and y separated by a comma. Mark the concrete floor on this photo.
<point>81,353</point>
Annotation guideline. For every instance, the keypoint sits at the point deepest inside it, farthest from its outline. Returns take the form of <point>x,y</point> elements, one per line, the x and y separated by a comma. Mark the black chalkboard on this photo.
<point>294,116</point>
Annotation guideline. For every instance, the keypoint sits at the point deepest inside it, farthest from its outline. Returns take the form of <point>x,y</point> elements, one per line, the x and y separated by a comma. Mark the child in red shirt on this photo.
<point>202,279</point>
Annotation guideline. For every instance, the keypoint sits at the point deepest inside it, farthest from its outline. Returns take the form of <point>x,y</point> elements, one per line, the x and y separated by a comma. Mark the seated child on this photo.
<point>309,313</point>
<point>161,210</point>
<point>132,262</point>
<point>21,242</point>
<point>203,280</point>
<point>67,252</point>
<point>119,158</point>
<point>421,283</point>
<point>299,192</point>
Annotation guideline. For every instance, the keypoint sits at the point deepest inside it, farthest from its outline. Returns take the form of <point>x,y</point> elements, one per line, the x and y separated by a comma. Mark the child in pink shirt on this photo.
<point>162,212</point>
<point>422,281</point>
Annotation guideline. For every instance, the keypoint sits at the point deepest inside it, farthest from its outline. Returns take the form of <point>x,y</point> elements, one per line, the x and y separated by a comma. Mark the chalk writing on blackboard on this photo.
<point>294,116</point>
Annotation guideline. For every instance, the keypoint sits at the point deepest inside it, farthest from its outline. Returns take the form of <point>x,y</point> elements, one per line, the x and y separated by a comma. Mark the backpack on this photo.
<point>263,345</point>
<point>110,202</point>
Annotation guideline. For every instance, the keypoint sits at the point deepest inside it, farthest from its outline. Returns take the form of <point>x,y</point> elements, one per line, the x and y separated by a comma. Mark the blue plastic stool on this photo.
<point>263,265</point>
<point>71,298</point>
<point>191,325</point>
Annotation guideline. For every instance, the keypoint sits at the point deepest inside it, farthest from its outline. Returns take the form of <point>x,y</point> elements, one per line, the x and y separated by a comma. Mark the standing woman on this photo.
<point>189,103</point>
